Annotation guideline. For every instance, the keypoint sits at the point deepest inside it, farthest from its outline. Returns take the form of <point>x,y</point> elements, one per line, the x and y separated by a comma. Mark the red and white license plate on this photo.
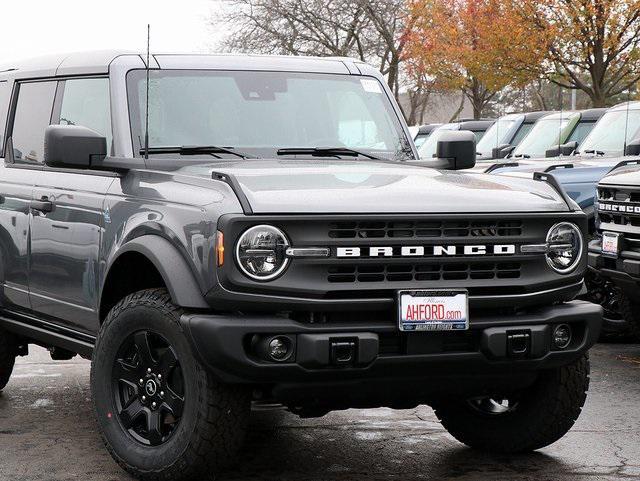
<point>433,310</point>
<point>610,243</point>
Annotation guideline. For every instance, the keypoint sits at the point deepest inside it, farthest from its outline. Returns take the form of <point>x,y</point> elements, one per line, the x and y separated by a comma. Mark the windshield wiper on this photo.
<point>593,151</point>
<point>325,152</point>
<point>522,156</point>
<point>197,150</point>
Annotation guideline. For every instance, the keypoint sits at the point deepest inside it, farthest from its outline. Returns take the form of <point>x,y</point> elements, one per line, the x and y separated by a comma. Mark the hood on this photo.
<point>627,175</point>
<point>346,186</point>
<point>541,164</point>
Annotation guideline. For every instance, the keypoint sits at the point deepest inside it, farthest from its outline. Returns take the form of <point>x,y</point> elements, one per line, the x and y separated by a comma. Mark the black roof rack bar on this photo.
<point>553,182</point>
<point>624,163</point>
<point>551,168</point>
<point>500,165</point>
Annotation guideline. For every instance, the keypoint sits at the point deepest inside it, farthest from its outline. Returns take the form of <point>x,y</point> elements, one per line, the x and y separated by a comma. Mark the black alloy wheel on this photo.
<point>149,388</point>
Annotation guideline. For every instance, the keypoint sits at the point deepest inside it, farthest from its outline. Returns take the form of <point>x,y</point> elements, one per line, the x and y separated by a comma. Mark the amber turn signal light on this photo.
<point>220,248</point>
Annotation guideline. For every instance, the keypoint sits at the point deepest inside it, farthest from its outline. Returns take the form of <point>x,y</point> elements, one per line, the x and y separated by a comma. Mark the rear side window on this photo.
<point>85,102</point>
<point>32,117</point>
<point>5,95</point>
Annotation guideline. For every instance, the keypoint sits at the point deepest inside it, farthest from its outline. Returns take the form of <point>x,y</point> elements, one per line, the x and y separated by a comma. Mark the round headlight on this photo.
<point>261,252</point>
<point>564,242</point>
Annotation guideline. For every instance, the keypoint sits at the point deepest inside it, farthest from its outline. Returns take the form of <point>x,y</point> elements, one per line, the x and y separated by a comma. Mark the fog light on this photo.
<point>561,336</point>
<point>279,348</point>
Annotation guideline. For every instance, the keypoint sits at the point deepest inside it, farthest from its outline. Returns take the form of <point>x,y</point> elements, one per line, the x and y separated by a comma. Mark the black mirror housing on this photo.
<point>73,146</point>
<point>568,148</point>
<point>633,147</point>
<point>501,151</point>
<point>553,151</point>
<point>456,150</point>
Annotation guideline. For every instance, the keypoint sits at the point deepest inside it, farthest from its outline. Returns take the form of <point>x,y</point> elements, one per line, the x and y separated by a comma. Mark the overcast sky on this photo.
<point>36,27</point>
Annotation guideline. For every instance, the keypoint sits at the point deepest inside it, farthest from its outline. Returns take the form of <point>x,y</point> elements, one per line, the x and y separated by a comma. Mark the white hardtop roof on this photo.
<point>98,62</point>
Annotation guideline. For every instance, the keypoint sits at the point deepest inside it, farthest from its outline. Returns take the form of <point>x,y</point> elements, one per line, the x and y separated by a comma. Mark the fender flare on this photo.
<point>171,265</point>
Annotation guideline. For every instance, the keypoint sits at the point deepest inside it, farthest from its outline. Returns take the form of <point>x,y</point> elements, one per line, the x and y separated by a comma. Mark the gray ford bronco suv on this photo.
<point>271,240</point>
<point>614,253</point>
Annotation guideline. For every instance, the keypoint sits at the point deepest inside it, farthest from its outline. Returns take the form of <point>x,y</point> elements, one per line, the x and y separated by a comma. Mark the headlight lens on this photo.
<point>564,242</point>
<point>260,252</point>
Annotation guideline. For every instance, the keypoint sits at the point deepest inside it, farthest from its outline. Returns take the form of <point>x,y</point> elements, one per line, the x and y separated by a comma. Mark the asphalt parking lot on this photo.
<point>47,432</point>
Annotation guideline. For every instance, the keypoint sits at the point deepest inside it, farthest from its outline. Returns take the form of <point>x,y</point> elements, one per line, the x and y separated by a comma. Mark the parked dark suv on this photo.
<point>614,253</point>
<point>270,239</point>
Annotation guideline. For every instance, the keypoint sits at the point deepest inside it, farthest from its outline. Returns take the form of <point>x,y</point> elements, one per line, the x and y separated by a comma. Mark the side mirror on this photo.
<point>633,147</point>
<point>501,151</point>
<point>456,150</point>
<point>553,151</point>
<point>73,146</point>
<point>568,148</point>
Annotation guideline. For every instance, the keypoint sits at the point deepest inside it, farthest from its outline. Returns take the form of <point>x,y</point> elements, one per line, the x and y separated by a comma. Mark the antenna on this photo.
<point>626,122</point>
<point>146,120</point>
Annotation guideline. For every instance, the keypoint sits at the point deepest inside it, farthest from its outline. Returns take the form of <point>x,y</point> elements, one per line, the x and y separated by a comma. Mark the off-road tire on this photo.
<point>214,420</point>
<point>8,345</point>
<point>631,313</point>
<point>545,413</point>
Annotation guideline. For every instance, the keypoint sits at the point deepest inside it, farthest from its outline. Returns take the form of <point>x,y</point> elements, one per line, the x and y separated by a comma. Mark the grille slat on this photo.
<point>421,229</point>
<point>423,272</point>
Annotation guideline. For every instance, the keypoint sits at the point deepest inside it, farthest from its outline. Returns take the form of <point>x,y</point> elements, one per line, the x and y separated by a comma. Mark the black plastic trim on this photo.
<point>48,334</point>
<point>232,182</point>
<point>551,180</point>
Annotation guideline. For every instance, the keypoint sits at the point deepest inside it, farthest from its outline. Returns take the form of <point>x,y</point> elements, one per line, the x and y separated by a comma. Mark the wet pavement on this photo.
<point>47,432</point>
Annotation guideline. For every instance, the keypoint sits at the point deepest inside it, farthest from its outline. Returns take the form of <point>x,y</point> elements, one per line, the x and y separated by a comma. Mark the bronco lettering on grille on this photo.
<point>427,251</point>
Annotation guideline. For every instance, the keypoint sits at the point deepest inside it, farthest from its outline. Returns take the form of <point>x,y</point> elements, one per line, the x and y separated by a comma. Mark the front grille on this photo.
<point>423,272</point>
<point>617,194</point>
<point>354,271</point>
<point>424,229</point>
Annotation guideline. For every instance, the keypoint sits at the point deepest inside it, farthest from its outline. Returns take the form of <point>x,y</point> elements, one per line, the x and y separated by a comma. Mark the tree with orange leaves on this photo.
<point>474,46</point>
<point>593,45</point>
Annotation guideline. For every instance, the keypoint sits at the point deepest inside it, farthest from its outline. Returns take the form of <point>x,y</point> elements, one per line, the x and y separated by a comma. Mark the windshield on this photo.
<point>545,133</point>
<point>608,135</point>
<point>262,112</point>
<point>429,146</point>
<point>496,135</point>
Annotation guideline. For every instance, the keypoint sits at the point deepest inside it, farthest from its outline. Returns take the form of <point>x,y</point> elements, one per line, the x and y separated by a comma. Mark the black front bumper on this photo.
<point>623,270</point>
<point>381,354</point>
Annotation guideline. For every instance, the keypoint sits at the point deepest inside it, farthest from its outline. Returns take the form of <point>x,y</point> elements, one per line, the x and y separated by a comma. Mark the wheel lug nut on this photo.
<point>161,393</point>
<point>159,376</point>
<point>144,398</point>
<point>141,382</point>
<point>149,370</point>
<point>153,405</point>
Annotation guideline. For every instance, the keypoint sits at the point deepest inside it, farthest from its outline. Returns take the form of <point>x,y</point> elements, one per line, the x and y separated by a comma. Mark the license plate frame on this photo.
<point>611,244</point>
<point>433,297</point>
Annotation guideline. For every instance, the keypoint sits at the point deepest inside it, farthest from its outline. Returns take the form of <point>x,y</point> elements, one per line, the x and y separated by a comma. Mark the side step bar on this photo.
<point>48,334</point>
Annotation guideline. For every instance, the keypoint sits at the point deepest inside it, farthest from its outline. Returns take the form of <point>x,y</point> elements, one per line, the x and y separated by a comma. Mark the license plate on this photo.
<point>610,243</point>
<point>433,310</point>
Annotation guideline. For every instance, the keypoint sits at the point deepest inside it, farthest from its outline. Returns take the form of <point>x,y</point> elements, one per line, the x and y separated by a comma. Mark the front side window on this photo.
<point>262,112</point>
<point>522,132</point>
<point>608,135</point>
<point>85,102</point>
<point>581,131</point>
<point>32,117</point>
<point>496,135</point>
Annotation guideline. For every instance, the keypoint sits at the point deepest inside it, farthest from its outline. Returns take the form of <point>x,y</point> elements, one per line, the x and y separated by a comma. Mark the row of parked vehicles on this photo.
<point>216,231</point>
<point>578,149</point>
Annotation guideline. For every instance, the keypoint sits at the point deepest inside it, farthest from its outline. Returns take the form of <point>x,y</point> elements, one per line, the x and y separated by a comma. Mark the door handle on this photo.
<point>42,205</point>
